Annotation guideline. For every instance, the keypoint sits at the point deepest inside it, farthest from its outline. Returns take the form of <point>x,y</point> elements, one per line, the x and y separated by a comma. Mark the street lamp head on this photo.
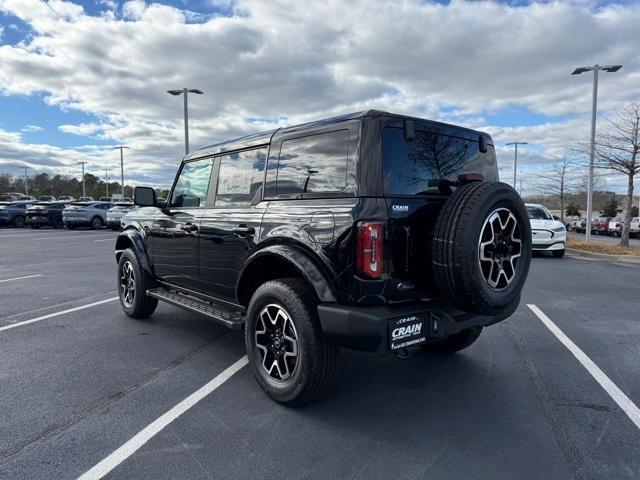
<point>196,90</point>
<point>175,92</point>
<point>580,70</point>
<point>612,68</point>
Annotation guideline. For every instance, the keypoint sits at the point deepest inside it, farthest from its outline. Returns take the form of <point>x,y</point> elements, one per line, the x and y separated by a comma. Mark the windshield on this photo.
<point>436,154</point>
<point>539,213</point>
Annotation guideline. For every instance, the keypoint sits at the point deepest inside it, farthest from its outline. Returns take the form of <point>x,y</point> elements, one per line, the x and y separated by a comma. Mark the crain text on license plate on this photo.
<point>407,331</point>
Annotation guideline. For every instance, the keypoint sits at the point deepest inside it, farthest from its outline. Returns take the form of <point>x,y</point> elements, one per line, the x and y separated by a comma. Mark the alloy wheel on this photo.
<point>499,248</point>
<point>277,340</point>
<point>127,284</point>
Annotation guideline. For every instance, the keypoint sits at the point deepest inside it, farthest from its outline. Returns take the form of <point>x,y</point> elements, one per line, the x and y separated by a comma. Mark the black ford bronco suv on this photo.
<point>371,231</point>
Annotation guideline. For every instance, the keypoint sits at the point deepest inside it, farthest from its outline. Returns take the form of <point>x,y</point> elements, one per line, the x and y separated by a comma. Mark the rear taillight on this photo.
<point>369,249</point>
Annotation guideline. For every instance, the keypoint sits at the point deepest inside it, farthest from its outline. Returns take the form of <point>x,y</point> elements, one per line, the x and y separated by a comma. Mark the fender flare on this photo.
<point>132,238</point>
<point>296,258</point>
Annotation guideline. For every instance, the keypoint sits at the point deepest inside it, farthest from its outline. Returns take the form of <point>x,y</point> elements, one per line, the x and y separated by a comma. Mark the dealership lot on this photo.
<point>79,380</point>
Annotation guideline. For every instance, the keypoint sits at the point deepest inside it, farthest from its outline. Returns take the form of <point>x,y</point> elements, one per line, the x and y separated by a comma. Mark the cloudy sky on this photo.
<point>79,77</point>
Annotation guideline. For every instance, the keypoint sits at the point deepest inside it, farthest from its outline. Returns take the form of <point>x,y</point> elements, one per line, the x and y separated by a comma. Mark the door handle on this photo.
<point>189,227</point>
<point>243,230</point>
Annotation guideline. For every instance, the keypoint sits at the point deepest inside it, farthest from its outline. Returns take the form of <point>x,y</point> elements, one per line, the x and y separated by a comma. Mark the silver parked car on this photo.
<point>92,214</point>
<point>115,214</point>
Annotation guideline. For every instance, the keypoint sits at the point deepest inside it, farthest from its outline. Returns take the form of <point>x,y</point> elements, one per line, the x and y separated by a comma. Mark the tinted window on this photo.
<point>313,164</point>
<point>240,176</point>
<point>417,166</point>
<point>193,184</point>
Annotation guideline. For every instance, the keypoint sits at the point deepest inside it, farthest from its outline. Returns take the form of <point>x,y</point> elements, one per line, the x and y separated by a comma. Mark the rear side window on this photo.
<point>416,167</point>
<point>192,185</point>
<point>240,177</point>
<point>313,164</point>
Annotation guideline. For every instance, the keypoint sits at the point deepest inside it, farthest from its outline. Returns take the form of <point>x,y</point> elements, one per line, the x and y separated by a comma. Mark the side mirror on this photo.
<point>555,217</point>
<point>144,196</point>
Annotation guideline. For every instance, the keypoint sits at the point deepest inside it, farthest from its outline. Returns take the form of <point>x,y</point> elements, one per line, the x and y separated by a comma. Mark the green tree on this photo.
<point>610,208</point>
<point>572,210</point>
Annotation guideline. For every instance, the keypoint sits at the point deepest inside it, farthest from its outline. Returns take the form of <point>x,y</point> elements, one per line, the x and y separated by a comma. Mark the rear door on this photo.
<point>231,225</point>
<point>176,228</point>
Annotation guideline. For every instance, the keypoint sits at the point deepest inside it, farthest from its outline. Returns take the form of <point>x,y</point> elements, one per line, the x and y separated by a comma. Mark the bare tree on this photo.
<point>559,180</point>
<point>616,148</point>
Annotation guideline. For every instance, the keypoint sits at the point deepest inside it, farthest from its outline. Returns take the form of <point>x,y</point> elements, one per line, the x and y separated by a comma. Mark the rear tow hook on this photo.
<point>401,353</point>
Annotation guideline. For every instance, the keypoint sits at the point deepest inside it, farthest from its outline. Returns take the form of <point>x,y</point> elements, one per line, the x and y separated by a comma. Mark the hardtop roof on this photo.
<point>263,138</point>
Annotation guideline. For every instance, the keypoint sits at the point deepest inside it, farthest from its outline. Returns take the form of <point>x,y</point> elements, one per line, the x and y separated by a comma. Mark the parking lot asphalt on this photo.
<point>79,386</point>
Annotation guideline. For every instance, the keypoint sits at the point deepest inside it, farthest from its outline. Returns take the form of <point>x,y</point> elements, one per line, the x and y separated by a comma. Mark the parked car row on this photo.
<point>59,214</point>
<point>605,226</point>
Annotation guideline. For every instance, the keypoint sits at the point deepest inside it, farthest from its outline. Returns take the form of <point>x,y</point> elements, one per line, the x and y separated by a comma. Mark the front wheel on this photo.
<point>291,359</point>
<point>133,283</point>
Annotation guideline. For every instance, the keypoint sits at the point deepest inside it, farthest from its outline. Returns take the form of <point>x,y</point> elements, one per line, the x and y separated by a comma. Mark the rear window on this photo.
<point>416,167</point>
<point>313,164</point>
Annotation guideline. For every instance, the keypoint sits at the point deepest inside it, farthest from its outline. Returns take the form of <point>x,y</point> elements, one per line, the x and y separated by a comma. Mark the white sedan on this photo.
<point>549,235</point>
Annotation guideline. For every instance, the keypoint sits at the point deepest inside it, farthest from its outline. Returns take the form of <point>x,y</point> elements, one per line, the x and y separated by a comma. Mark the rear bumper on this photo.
<point>367,328</point>
<point>38,221</point>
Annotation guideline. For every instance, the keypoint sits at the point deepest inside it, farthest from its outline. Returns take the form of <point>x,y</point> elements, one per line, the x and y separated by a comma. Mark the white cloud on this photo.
<point>32,128</point>
<point>304,60</point>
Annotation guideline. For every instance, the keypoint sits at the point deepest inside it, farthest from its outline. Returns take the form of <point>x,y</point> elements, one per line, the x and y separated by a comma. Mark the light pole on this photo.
<point>185,92</point>
<point>515,160</point>
<point>106,180</point>
<point>26,182</point>
<point>121,148</point>
<point>84,193</point>
<point>595,68</point>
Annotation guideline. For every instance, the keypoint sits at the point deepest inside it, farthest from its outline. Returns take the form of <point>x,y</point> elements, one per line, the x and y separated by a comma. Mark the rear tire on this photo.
<point>282,313</point>
<point>97,223</point>
<point>132,283</point>
<point>454,343</point>
<point>18,221</point>
<point>481,248</point>
<point>558,253</point>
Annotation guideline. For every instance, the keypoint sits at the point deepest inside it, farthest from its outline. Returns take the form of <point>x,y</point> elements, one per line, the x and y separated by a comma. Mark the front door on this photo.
<point>230,228</point>
<point>177,227</point>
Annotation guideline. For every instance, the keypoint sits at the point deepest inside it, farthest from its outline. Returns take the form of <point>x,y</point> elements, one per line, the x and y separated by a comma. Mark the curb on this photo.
<point>603,256</point>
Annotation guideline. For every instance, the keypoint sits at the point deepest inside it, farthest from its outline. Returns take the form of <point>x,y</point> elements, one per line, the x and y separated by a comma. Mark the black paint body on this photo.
<point>220,253</point>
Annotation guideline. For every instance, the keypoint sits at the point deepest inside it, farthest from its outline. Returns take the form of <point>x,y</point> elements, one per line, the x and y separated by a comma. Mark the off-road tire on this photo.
<point>317,357</point>
<point>558,253</point>
<point>456,244</point>
<point>142,305</point>
<point>454,343</point>
<point>19,221</point>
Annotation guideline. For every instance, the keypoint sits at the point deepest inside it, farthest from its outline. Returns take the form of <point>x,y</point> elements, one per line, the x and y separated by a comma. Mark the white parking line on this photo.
<point>148,432</point>
<point>618,396</point>
<point>20,278</point>
<point>56,314</point>
<point>106,240</point>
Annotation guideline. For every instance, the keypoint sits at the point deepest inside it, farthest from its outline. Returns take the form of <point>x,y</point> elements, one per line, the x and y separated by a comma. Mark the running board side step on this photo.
<point>228,318</point>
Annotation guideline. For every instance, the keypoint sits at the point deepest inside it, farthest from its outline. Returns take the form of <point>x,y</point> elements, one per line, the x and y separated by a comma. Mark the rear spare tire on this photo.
<point>481,247</point>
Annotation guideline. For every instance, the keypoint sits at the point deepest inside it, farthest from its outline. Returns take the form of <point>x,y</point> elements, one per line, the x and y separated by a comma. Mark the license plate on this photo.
<point>407,331</point>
